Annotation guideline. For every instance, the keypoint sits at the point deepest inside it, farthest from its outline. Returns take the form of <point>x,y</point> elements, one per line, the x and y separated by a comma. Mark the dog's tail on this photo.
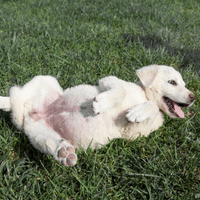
<point>15,103</point>
<point>5,103</point>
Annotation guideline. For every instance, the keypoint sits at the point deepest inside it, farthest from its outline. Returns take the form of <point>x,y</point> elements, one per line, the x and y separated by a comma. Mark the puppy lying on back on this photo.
<point>56,121</point>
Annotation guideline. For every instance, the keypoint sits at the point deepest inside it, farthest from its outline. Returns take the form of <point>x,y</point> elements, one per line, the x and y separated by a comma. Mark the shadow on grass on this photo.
<point>25,149</point>
<point>22,147</point>
<point>190,56</point>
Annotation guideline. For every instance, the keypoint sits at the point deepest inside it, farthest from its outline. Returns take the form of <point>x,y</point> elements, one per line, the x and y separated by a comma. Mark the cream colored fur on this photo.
<point>95,114</point>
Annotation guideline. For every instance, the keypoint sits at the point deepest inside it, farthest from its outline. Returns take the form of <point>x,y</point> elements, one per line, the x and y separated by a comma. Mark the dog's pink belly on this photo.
<point>69,126</point>
<point>70,118</point>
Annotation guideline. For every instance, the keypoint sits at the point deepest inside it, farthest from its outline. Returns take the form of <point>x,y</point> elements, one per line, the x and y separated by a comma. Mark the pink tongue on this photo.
<point>178,111</point>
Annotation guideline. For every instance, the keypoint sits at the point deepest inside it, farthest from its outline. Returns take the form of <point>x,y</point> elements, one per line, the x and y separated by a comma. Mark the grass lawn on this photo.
<point>80,41</point>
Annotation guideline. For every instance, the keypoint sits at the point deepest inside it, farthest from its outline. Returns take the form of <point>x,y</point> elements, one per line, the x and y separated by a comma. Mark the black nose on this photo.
<point>192,97</point>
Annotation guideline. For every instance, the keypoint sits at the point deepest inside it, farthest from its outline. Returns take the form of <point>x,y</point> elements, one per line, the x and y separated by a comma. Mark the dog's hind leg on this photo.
<point>111,94</point>
<point>37,93</point>
<point>48,141</point>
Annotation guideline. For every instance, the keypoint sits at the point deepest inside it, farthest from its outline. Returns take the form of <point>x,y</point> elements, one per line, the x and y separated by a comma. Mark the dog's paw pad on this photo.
<point>62,153</point>
<point>70,161</point>
<point>67,156</point>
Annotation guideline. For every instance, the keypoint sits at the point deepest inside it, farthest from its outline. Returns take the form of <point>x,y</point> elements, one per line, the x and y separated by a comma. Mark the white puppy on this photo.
<point>58,121</point>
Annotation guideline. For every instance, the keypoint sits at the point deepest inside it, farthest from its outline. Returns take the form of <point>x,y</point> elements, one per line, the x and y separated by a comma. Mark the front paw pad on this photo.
<point>67,156</point>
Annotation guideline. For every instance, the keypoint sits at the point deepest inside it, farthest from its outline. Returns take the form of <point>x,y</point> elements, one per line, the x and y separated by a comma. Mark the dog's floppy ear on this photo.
<point>147,75</point>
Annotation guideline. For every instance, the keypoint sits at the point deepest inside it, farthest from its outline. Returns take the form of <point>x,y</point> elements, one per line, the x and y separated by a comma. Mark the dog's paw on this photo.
<point>137,114</point>
<point>66,154</point>
<point>101,103</point>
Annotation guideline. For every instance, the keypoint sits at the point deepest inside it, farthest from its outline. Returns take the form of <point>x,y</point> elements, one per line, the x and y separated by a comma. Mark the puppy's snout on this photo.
<point>192,97</point>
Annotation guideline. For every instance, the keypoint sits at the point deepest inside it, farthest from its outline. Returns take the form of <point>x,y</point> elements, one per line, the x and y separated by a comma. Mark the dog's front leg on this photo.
<point>142,112</point>
<point>111,94</point>
<point>49,142</point>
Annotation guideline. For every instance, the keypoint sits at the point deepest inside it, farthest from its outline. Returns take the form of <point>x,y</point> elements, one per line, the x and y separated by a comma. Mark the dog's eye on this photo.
<point>172,82</point>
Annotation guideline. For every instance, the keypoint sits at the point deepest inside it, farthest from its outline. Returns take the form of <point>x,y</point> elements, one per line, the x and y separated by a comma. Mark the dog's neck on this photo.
<point>150,93</point>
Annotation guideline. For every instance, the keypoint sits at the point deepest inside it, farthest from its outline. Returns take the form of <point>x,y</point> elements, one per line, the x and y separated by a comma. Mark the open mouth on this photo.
<point>174,107</point>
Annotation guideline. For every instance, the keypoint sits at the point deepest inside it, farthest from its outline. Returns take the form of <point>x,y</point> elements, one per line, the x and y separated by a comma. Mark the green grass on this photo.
<point>80,42</point>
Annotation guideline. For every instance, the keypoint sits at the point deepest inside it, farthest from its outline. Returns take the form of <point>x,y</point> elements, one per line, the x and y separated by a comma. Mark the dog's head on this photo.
<point>165,86</point>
